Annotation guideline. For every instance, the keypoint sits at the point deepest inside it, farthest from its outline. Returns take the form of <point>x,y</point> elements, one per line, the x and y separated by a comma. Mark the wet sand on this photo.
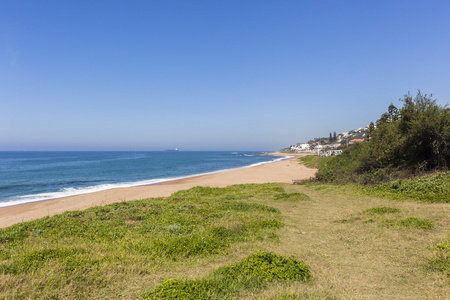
<point>282,171</point>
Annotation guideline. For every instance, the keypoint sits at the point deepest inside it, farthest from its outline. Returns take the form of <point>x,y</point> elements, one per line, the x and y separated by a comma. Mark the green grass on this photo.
<point>292,197</point>
<point>202,242</point>
<point>441,257</point>
<point>433,188</point>
<point>99,249</point>
<point>250,274</point>
<point>381,210</point>
<point>410,223</point>
<point>314,161</point>
<point>374,214</point>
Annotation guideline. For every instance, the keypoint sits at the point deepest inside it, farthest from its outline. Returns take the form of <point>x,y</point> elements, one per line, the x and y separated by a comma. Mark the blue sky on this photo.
<point>210,75</point>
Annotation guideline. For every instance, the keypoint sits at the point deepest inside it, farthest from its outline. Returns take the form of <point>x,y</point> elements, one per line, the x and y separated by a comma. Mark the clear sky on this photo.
<point>212,74</point>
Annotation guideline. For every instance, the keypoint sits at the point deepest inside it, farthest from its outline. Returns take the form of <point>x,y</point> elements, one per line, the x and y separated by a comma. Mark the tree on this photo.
<point>405,141</point>
<point>426,128</point>
<point>370,131</point>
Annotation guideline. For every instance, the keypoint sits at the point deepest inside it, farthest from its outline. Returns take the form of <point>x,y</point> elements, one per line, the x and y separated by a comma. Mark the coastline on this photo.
<point>284,171</point>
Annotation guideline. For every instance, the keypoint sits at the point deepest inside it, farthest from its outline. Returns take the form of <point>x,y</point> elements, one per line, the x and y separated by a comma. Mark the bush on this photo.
<point>428,188</point>
<point>267,266</point>
<point>184,289</point>
<point>405,142</point>
<point>252,273</point>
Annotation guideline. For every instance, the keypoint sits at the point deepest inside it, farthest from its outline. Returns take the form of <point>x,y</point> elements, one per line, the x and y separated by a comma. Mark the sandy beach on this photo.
<point>282,171</point>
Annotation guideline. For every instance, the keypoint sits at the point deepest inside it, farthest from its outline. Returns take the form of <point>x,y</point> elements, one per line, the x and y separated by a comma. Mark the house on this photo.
<point>330,153</point>
<point>354,141</point>
<point>301,147</point>
<point>318,148</point>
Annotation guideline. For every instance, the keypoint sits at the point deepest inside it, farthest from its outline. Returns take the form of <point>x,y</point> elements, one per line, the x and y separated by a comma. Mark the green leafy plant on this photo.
<point>268,266</point>
<point>428,188</point>
<point>252,273</point>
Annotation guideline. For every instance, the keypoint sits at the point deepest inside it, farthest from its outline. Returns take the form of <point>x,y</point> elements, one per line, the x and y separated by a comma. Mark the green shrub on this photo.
<point>404,142</point>
<point>428,188</point>
<point>252,273</point>
<point>184,289</point>
<point>267,266</point>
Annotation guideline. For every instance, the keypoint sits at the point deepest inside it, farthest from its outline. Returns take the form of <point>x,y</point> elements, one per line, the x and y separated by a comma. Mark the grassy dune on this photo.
<point>238,242</point>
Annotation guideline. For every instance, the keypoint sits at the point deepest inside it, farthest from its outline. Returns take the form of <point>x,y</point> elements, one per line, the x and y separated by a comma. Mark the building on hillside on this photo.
<point>301,147</point>
<point>330,153</point>
<point>335,145</point>
<point>355,141</point>
<point>318,148</point>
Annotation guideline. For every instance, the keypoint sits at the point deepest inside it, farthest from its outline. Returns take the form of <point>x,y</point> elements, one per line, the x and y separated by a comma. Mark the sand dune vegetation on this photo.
<point>346,245</point>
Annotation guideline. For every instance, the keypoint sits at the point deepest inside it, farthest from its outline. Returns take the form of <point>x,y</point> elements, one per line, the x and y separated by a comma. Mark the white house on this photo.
<point>301,147</point>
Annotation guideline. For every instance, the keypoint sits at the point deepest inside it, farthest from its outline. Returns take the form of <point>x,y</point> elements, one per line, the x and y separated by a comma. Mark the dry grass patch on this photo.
<point>362,260</point>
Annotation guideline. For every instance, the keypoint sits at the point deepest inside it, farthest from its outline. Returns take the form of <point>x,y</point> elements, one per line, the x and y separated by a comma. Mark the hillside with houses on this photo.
<point>331,145</point>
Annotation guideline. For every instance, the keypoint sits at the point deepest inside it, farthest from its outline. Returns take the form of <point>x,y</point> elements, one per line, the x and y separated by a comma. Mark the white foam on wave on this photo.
<point>67,192</point>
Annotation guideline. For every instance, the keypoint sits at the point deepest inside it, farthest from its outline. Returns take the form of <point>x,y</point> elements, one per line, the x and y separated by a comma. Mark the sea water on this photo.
<point>34,176</point>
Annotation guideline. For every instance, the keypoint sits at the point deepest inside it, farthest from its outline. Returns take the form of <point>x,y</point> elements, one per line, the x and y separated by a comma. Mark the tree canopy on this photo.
<point>405,141</point>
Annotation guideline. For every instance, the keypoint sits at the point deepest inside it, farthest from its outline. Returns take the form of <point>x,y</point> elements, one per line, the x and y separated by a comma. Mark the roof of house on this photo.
<point>357,140</point>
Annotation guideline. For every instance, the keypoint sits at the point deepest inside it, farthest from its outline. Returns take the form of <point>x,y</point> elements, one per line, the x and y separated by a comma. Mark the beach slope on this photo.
<point>284,171</point>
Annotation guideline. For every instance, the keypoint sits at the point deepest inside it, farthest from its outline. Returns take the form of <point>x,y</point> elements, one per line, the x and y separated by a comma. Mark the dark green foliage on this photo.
<point>252,273</point>
<point>429,188</point>
<point>405,142</point>
<point>267,266</point>
<point>185,289</point>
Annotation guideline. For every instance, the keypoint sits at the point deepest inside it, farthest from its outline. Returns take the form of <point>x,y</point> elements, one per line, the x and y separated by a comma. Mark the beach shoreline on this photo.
<point>284,171</point>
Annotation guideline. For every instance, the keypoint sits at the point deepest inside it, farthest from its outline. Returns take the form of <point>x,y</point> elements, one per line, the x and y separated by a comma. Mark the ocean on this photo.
<point>34,176</point>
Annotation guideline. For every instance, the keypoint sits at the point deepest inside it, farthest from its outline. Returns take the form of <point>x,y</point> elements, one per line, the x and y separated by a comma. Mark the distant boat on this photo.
<point>171,150</point>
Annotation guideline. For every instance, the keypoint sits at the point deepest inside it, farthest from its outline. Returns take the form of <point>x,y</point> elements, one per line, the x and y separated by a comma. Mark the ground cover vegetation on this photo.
<point>431,188</point>
<point>377,214</point>
<point>441,258</point>
<point>406,158</point>
<point>139,249</point>
<point>250,274</point>
<point>404,142</point>
<point>93,252</point>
